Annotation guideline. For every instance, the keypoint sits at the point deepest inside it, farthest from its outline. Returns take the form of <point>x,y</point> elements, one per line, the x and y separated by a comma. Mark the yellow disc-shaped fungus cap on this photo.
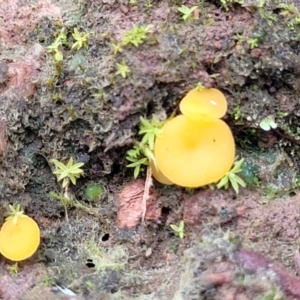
<point>194,153</point>
<point>19,238</point>
<point>204,104</point>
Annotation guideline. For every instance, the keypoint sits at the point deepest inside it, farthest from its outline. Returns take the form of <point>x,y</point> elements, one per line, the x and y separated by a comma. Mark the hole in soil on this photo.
<point>105,237</point>
<point>89,263</point>
<point>116,169</point>
<point>292,194</point>
<point>39,161</point>
<point>165,211</point>
<point>209,294</point>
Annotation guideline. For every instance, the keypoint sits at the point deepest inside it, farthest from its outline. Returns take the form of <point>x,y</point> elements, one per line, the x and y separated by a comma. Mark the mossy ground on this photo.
<point>80,107</point>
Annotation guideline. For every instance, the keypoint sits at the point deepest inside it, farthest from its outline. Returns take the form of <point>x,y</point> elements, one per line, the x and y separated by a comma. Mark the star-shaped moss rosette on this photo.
<point>81,39</point>
<point>142,152</point>
<point>178,230</point>
<point>231,177</point>
<point>69,172</point>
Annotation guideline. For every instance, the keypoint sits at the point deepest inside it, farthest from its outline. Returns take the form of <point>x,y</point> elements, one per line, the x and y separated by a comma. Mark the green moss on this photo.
<point>94,191</point>
<point>136,35</point>
<point>250,174</point>
<point>232,179</point>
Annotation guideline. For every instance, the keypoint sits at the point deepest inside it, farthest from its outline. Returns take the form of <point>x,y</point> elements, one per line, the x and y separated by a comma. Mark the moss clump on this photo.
<point>94,191</point>
<point>250,174</point>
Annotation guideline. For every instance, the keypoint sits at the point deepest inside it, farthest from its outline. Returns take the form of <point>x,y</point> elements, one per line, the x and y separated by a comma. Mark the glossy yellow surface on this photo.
<point>194,153</point>
<point>19,238</point>
<point>204,104</point>
<point>159,176</point>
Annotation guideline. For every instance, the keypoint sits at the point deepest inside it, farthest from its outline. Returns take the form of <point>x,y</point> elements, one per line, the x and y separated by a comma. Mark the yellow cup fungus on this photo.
<point>204,104</point>
<point>196,148</point>
<point>19,237</point>
<point>158,175</point>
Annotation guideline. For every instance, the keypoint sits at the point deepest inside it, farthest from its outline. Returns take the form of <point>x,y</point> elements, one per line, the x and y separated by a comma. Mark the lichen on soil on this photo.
<point>241,246</point>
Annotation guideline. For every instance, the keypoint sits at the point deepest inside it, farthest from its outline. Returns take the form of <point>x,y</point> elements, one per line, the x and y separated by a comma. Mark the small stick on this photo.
<point>148,184</point>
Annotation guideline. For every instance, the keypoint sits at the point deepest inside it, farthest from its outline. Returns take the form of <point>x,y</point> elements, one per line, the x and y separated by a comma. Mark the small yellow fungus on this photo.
<point>19,237</point>
<point>193,153</point>
<point>158,175</point>
<point>207,103</point>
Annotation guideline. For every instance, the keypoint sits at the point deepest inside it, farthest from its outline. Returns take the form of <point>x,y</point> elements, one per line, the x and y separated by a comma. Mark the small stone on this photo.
<point>3,72</point>
<point>123,9</point>
<point>148,252</point>
<point>50,255</point>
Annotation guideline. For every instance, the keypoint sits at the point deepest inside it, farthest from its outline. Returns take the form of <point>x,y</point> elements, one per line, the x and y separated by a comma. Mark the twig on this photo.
<point>148,184</point>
